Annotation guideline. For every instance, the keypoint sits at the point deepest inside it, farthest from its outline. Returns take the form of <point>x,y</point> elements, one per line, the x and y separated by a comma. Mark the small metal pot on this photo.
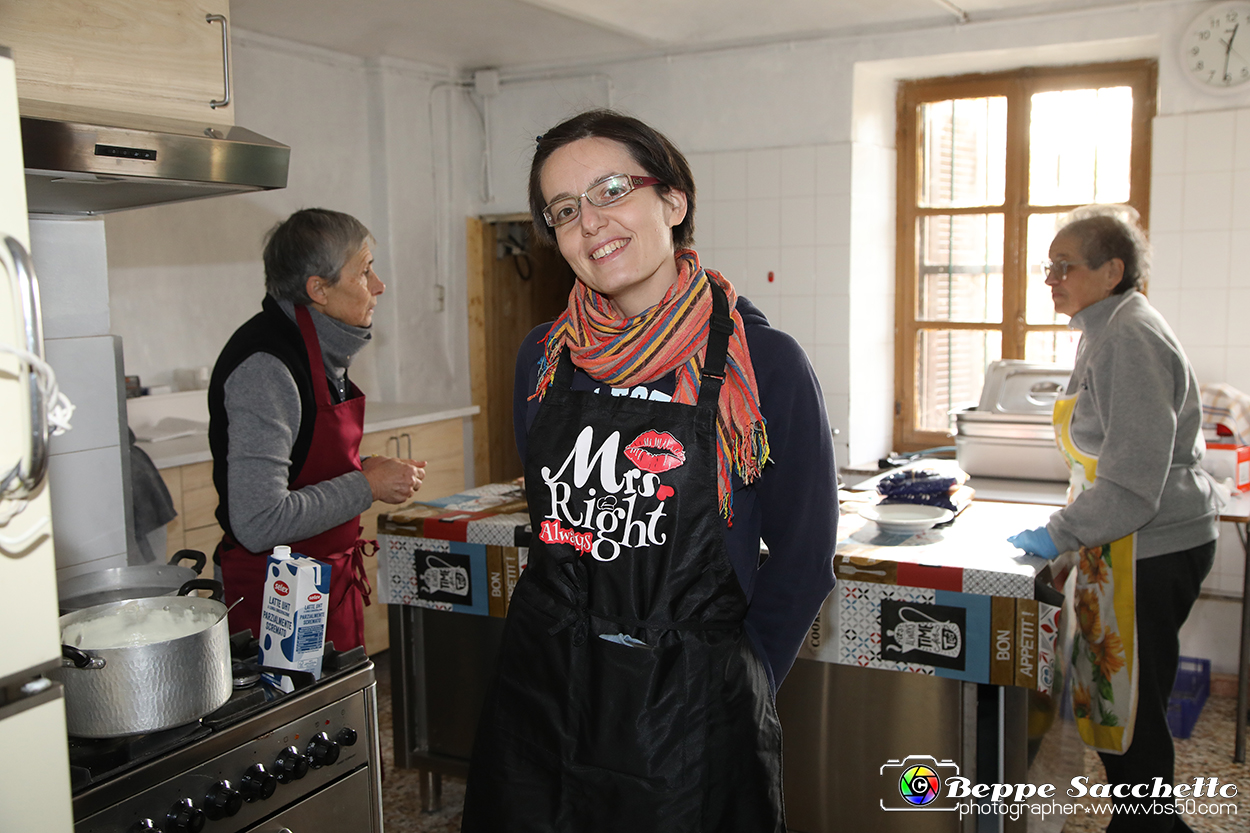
<point>111,692</point>
<point>119,583</point>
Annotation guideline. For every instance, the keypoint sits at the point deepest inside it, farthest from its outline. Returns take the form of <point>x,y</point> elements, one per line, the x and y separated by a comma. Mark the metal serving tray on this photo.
<point>1009,433</point>
<point>1018,387</point>
<point>1019,446</point>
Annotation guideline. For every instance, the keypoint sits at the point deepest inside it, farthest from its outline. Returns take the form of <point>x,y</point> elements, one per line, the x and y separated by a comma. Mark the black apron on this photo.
<point>627,695</point>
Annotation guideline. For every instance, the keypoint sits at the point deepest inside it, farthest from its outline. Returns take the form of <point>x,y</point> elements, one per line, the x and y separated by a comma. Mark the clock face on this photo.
<point>1215,51</point>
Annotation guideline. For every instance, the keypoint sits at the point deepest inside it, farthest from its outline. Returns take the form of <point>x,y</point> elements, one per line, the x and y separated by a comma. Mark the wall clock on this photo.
<point>1215,49</point>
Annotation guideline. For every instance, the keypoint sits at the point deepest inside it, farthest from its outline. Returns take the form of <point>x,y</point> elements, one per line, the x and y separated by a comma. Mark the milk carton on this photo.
<point>293,615</point>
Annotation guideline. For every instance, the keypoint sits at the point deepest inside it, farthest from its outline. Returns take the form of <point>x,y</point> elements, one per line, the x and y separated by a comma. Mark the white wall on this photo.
<point>366,138</point>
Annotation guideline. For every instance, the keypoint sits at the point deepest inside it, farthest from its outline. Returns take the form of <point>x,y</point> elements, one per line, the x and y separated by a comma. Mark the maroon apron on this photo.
<point>334,451</point>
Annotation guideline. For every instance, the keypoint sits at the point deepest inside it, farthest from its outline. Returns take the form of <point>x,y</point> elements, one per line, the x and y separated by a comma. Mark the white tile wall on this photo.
<point>88,507</point>
<point>71,262</point>
<point>86,372</point>
<point>1209,141</point>
<point>1211,631</point>
<point>86,469</point>
<point>787,211</point>
<point>1200,219</point>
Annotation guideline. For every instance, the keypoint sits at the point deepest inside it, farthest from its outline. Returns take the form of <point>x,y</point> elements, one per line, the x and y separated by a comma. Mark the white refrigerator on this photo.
<point>34,756</point>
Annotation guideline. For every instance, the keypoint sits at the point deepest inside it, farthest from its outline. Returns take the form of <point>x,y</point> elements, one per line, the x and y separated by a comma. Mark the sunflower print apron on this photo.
<point>1104,653</point>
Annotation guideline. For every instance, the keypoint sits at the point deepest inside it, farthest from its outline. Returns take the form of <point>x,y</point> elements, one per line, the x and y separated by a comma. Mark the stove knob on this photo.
<point>184,817</point>
<point>222,800</point>
<point>346,736</point>
<point>290,765</point>
<point>257,783</point>
<point>322,751</point>
<point>143,826</point>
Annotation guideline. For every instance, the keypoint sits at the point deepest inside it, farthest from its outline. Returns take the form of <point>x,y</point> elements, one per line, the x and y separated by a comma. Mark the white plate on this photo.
<point>906,518</point>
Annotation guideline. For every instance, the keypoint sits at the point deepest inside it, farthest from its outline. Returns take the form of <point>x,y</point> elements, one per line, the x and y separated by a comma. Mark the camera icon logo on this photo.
<point>920,779</point>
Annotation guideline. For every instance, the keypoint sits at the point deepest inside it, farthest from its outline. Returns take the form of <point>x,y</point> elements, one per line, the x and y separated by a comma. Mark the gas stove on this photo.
<point>305,760</point>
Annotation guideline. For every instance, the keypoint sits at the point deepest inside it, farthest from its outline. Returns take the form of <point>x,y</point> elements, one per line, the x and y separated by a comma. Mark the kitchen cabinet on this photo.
<point>159,58</point>
<point>441,445</point>
<point>195,501</point>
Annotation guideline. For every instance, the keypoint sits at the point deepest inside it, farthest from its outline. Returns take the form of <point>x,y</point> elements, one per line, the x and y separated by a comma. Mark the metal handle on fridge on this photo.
<point>24,478</point>
<point>225,57</point>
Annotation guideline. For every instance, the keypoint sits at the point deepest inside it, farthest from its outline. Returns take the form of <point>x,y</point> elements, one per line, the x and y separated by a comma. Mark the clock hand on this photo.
<point>1228,48</point>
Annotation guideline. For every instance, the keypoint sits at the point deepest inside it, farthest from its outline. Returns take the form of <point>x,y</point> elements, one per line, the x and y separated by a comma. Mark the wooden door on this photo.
<point>515,284</point>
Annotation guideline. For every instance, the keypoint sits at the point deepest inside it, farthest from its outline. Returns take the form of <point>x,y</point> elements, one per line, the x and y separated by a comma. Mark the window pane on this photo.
<point>960,274</point>
<point>1039,309</point>
<point>1053,346</point>
<point>965,147</point>
<point>1079,143</point>
<point>950,372</point>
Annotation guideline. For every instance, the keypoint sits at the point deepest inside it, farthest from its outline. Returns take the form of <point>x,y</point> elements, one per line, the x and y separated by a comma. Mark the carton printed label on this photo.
<point>927,634</point>
<point>444,577</point>
<point>293,616</point>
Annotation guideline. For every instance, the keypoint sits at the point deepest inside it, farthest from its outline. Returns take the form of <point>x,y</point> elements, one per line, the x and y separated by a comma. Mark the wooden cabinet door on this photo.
<point>441,445</point>
<point>195,500</point>
<point>151,57</point>
<point>174,537</point>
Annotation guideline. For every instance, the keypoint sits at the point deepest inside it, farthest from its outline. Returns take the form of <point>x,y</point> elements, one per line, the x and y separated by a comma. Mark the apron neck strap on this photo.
<point>316,364</point>
<point>720,328</point>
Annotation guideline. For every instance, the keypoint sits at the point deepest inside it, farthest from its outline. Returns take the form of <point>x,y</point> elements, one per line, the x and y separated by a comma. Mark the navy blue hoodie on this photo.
<point>792,507</point>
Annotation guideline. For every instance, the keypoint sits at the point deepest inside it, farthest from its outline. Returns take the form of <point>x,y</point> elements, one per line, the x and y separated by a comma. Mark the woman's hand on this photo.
<point>1035,541</point>
<point>393,480</point>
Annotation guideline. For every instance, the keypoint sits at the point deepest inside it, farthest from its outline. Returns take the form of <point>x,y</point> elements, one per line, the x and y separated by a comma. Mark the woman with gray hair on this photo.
<point>1141,516</point>
<point>285,422</point>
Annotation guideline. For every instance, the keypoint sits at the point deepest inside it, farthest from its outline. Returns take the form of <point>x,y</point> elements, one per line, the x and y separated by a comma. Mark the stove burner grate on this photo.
<point>95,760</point>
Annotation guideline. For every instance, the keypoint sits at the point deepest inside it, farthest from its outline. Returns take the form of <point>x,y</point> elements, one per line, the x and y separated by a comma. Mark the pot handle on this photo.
<point>219,592</point>
<point>79,658</point>
<point>195,556</point>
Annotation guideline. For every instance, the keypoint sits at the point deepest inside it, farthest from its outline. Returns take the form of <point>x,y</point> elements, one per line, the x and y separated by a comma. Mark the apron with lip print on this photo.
<point>1104,653</point>
<point>334,451</point>
<point>627,696</point>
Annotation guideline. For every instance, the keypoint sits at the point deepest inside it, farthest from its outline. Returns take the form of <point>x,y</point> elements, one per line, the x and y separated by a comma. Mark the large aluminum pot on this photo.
<point>154,685</point>
<point>118,583</point>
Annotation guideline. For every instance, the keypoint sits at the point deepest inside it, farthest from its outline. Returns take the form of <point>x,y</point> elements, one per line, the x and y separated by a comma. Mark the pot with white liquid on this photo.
<point>143,665</point>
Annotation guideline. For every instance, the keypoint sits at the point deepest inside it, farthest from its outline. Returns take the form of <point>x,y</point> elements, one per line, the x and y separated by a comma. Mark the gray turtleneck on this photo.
<point>263,405</point>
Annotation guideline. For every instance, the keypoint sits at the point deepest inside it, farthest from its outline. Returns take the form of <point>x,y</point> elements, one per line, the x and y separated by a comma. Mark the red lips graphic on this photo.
<point>656,452</point>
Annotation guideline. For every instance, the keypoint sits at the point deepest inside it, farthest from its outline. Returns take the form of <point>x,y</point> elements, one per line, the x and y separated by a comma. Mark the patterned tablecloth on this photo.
<point>957,601</point>
<point>462,553</point>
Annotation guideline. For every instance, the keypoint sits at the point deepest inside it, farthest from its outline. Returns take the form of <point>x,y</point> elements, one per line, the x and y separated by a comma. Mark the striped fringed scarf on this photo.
<point>672,335</point>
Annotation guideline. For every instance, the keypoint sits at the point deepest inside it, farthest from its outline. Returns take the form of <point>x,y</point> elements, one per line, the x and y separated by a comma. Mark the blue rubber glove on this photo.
<point>1035,541</point>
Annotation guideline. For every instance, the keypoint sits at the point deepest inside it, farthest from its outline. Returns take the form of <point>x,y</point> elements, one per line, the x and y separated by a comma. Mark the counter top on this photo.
<point>379,416</point>
<point>972,555</point>
<point>957,601</point>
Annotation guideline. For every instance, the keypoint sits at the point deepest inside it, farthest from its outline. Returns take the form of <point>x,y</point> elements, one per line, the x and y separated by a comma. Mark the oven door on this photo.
<point>347,804</point>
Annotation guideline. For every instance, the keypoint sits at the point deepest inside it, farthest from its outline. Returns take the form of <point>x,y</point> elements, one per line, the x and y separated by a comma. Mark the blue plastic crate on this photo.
<point>1189,694</point>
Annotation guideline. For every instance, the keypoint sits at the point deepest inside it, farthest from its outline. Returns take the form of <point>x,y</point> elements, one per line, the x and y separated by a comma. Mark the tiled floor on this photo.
<point>1208,752</point>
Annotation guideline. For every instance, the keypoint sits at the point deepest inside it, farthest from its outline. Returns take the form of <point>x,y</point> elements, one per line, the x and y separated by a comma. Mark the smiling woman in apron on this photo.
<point>1141,513</point>
<point>285,422</point>
<point>666,429</point>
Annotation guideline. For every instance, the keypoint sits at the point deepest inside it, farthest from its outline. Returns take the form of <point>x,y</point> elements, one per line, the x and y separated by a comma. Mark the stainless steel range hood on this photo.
<point>90,162</point>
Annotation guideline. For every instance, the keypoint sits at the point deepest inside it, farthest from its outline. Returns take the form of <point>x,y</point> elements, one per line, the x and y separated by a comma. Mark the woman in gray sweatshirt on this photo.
<point>1141,515</point>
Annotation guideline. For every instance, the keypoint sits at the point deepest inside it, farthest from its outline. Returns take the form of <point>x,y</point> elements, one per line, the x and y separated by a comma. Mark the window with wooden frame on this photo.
<point>988,165</point>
